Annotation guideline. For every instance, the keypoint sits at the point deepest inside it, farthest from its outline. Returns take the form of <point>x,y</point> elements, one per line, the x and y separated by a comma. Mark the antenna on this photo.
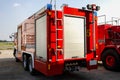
<point>55,4</point>
<point>50,1</point>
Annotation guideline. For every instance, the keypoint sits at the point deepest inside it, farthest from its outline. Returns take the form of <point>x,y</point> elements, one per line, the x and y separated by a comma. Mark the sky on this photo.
<point>13,12</point>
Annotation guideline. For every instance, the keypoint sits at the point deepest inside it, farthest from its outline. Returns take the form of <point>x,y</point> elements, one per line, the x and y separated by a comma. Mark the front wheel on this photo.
<point>110,60</point>
<point>15,55</point>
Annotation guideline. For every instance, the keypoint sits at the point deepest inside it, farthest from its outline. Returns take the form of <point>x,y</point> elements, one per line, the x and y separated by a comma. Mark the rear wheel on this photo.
<point>110,60</point>
<point>25,62</point>
<point>31,70</point>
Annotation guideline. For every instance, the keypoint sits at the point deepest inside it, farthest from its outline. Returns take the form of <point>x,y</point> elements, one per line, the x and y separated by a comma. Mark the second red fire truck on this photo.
<point>52,41</point>
<point>109,45</point>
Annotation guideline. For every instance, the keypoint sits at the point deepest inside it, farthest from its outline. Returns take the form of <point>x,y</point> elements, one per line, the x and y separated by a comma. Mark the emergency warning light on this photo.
<point>93,7</point>
<point>49,6</point>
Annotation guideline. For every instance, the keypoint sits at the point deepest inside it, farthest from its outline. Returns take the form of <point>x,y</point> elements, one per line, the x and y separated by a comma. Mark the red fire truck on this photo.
<point>52,41</point>
<point>109,45</point>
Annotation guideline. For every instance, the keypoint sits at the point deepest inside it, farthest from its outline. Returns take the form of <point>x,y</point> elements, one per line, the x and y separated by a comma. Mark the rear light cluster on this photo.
<point>53,57</point>
<point>60,54</point>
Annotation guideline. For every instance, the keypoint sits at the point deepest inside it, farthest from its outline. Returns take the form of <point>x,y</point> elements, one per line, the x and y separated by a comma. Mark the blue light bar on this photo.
<point>49,6</point>
<point>95,13</point>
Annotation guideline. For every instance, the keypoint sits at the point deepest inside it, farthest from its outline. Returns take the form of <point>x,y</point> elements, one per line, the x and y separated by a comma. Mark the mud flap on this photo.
<point>92,62</point>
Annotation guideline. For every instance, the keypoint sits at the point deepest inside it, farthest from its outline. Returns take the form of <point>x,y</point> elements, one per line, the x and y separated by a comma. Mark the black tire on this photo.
<point>17,60</point>
<point>14,53</point>
<point>25,62</point>
<point>110,59</point>
<point>31,70</point>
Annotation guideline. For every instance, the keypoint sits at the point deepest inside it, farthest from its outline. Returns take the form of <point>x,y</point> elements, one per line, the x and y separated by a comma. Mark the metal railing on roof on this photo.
<point>113,21</point>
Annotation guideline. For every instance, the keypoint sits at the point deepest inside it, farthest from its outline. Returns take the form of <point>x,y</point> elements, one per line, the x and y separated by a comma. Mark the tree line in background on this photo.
<point>5,41</point>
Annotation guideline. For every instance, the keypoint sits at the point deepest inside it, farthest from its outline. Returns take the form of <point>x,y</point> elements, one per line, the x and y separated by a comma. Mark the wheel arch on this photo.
<point>108,48</point>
